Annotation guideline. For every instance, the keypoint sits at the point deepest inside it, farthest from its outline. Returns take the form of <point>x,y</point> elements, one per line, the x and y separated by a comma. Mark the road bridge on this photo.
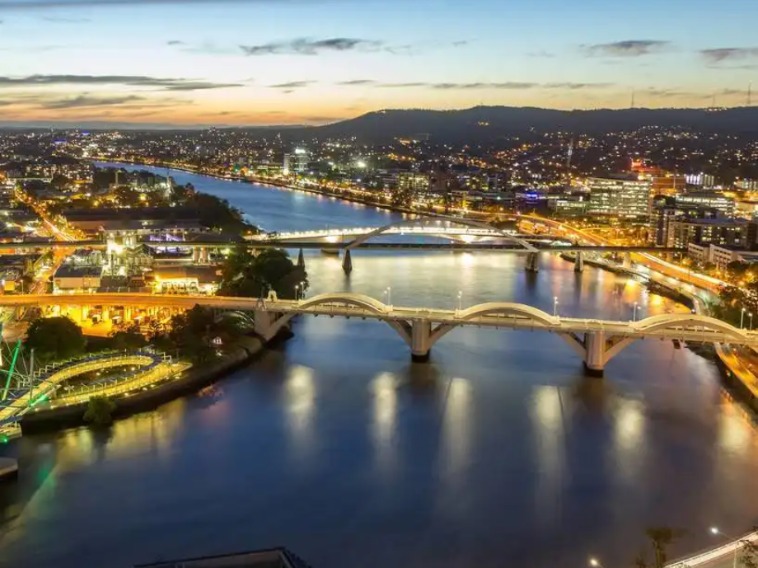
<point>595,341</point>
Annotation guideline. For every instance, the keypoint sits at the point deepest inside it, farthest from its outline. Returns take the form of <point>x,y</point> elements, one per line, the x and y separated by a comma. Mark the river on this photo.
<point>499,452</point>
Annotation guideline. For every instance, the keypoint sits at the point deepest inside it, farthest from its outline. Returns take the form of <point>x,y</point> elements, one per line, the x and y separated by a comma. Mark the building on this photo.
<point>185,279</point>
<point>707,199</point>
<point>70,278</point>
<point>720,256</point>
<point>412,182</point>
<point>701,179</point>
<point>723,232</point>
<point>296,163</point>
<point>138,221</point>
<point>626,197</point>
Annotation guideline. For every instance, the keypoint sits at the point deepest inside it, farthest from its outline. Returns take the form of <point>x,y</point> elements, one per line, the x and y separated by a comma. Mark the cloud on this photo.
<point>167,84</point>
<point>175,42</point>
<point>88,101</point>
<point>303,46</point>
<point>628,48</point>
<point>720,55</point>
<point>357,82</point>
<point>62,20</point>
<point>292,85</point>
<point>507,86</point>
<point>541,53</point>
<point>42,4</point>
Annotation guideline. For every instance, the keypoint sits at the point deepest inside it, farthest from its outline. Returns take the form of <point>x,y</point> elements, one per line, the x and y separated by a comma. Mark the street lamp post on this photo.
<point>297,291</point>
<point>717,531</point>
<point>555,306</point>
<point>460,300</point>
<point>388,291</point>
<point>634,311</point>
<point>750,317</point>
<point>742,317</point>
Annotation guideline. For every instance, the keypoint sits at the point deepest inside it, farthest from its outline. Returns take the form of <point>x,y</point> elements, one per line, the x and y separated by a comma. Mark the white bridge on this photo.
<point>595,341</point>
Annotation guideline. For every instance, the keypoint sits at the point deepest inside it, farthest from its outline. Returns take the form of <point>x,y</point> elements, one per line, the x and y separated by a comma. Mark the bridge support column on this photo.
<point>579,262</point>
<point>421,344</point>
<point>533,262</point>
<point>300,259</point>
<point>264,322</point>
<point>627,260</point>
<point>347,262</point>
<point>195,255</point>
<point>204,255</point>
<point>595,349</point>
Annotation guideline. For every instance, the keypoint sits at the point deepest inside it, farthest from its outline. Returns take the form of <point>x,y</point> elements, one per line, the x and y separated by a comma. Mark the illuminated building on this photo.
<point>708,199</point>
<point>625,197</point>
<point>296,163</point>
<point>729,232</point>
<point>412,182</point>
<point>701,179</point>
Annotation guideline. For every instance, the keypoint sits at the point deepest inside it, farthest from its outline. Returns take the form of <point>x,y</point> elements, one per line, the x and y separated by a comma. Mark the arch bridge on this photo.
<point>595,341</point>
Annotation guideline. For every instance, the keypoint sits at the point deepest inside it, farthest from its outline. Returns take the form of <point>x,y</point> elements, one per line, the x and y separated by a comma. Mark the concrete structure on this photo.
<point>596,341</point>
<point>274,558</point>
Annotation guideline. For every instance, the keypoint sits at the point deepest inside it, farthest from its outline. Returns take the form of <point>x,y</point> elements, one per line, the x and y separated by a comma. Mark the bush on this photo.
<point>99,411</point>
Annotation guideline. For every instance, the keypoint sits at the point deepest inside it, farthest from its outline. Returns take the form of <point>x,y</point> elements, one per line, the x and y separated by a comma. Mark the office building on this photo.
<point>708,200</point>
<point>625,197</point>
<point>296,163</point>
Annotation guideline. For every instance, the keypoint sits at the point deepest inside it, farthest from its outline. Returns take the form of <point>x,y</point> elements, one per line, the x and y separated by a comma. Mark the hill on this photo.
<point>485,125</point>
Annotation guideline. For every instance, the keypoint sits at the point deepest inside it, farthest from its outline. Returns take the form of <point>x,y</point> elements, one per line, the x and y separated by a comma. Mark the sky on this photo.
<point>249,62</point>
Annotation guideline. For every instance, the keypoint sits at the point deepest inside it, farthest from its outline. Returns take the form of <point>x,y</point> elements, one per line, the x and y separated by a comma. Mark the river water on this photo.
<point>499,452</point>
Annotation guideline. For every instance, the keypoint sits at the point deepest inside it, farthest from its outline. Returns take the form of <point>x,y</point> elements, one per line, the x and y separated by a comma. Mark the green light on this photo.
<point>3,439</point>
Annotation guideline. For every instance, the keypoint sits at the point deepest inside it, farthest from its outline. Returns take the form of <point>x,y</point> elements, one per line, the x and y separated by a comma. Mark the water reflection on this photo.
<point>384,390</point>
<point>300,392</point>
<point>457,429</point>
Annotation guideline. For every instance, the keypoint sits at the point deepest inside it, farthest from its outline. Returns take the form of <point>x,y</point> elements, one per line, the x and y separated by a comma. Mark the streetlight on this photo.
<point>634,311</point>
<point>460,300</point>
<point>595,563</point>
<point>716,531</point>
<point>297,291</point>
<point>388,291</point>
<point>555,305</point>
<point>302,289</point>
<point>742,317</point>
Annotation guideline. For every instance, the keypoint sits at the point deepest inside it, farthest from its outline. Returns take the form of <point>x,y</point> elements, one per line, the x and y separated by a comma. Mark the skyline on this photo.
<point>263,62</point>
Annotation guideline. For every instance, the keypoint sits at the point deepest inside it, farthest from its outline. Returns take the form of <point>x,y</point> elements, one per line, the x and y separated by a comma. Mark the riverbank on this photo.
<point>131,403</point>
<point>281,185</point>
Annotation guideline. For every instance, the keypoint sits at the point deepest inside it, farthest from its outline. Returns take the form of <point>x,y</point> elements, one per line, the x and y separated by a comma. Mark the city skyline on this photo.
<point>265,62</point>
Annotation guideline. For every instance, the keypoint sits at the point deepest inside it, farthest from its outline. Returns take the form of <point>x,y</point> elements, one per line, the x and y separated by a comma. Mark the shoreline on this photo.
<point>273,183</point>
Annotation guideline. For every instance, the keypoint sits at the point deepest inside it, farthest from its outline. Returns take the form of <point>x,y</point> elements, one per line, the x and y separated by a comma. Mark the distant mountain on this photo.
<point>484,125</point>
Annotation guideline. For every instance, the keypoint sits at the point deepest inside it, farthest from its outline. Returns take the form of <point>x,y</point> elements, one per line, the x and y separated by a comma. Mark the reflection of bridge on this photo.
<point>596,341</point>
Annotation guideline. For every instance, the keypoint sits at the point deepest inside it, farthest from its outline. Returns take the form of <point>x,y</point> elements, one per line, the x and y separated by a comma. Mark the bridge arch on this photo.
<point>463,222</point>
<point>508,309</point>
<point>672,321</point>
<point>345,299</point>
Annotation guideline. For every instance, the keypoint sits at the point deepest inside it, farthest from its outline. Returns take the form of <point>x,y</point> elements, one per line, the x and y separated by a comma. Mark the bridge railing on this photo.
<point>712,554</point>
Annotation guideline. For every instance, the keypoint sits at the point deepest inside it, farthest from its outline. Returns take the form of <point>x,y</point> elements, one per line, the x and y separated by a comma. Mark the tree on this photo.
<point>99,411</point>
<point>749,556</point>
<point>55,338</point>
<point>128,339</point>
<point>660,539</point>
<point>246,275</point>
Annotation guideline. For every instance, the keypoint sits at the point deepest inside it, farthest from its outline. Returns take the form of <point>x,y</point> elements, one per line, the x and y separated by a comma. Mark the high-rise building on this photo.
<point>626,197</point>
<point>701,179</point>
<point>296,163</point>
<point>413,182</point>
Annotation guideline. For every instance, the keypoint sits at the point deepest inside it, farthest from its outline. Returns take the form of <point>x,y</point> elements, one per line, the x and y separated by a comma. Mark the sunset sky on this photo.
<point>313,61</point>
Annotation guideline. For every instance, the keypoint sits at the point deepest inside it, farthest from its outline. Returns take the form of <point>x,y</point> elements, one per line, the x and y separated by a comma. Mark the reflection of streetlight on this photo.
<point>716,531</point>
<point>555,305</point>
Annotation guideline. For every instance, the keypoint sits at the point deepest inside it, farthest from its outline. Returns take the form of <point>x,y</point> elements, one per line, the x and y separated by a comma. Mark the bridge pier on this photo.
<point>347,262</point>
<point>579,262</point>
<point>421,340</point>
<point>594,357</point>
<point>533,262</point>
<point>263,321</point>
